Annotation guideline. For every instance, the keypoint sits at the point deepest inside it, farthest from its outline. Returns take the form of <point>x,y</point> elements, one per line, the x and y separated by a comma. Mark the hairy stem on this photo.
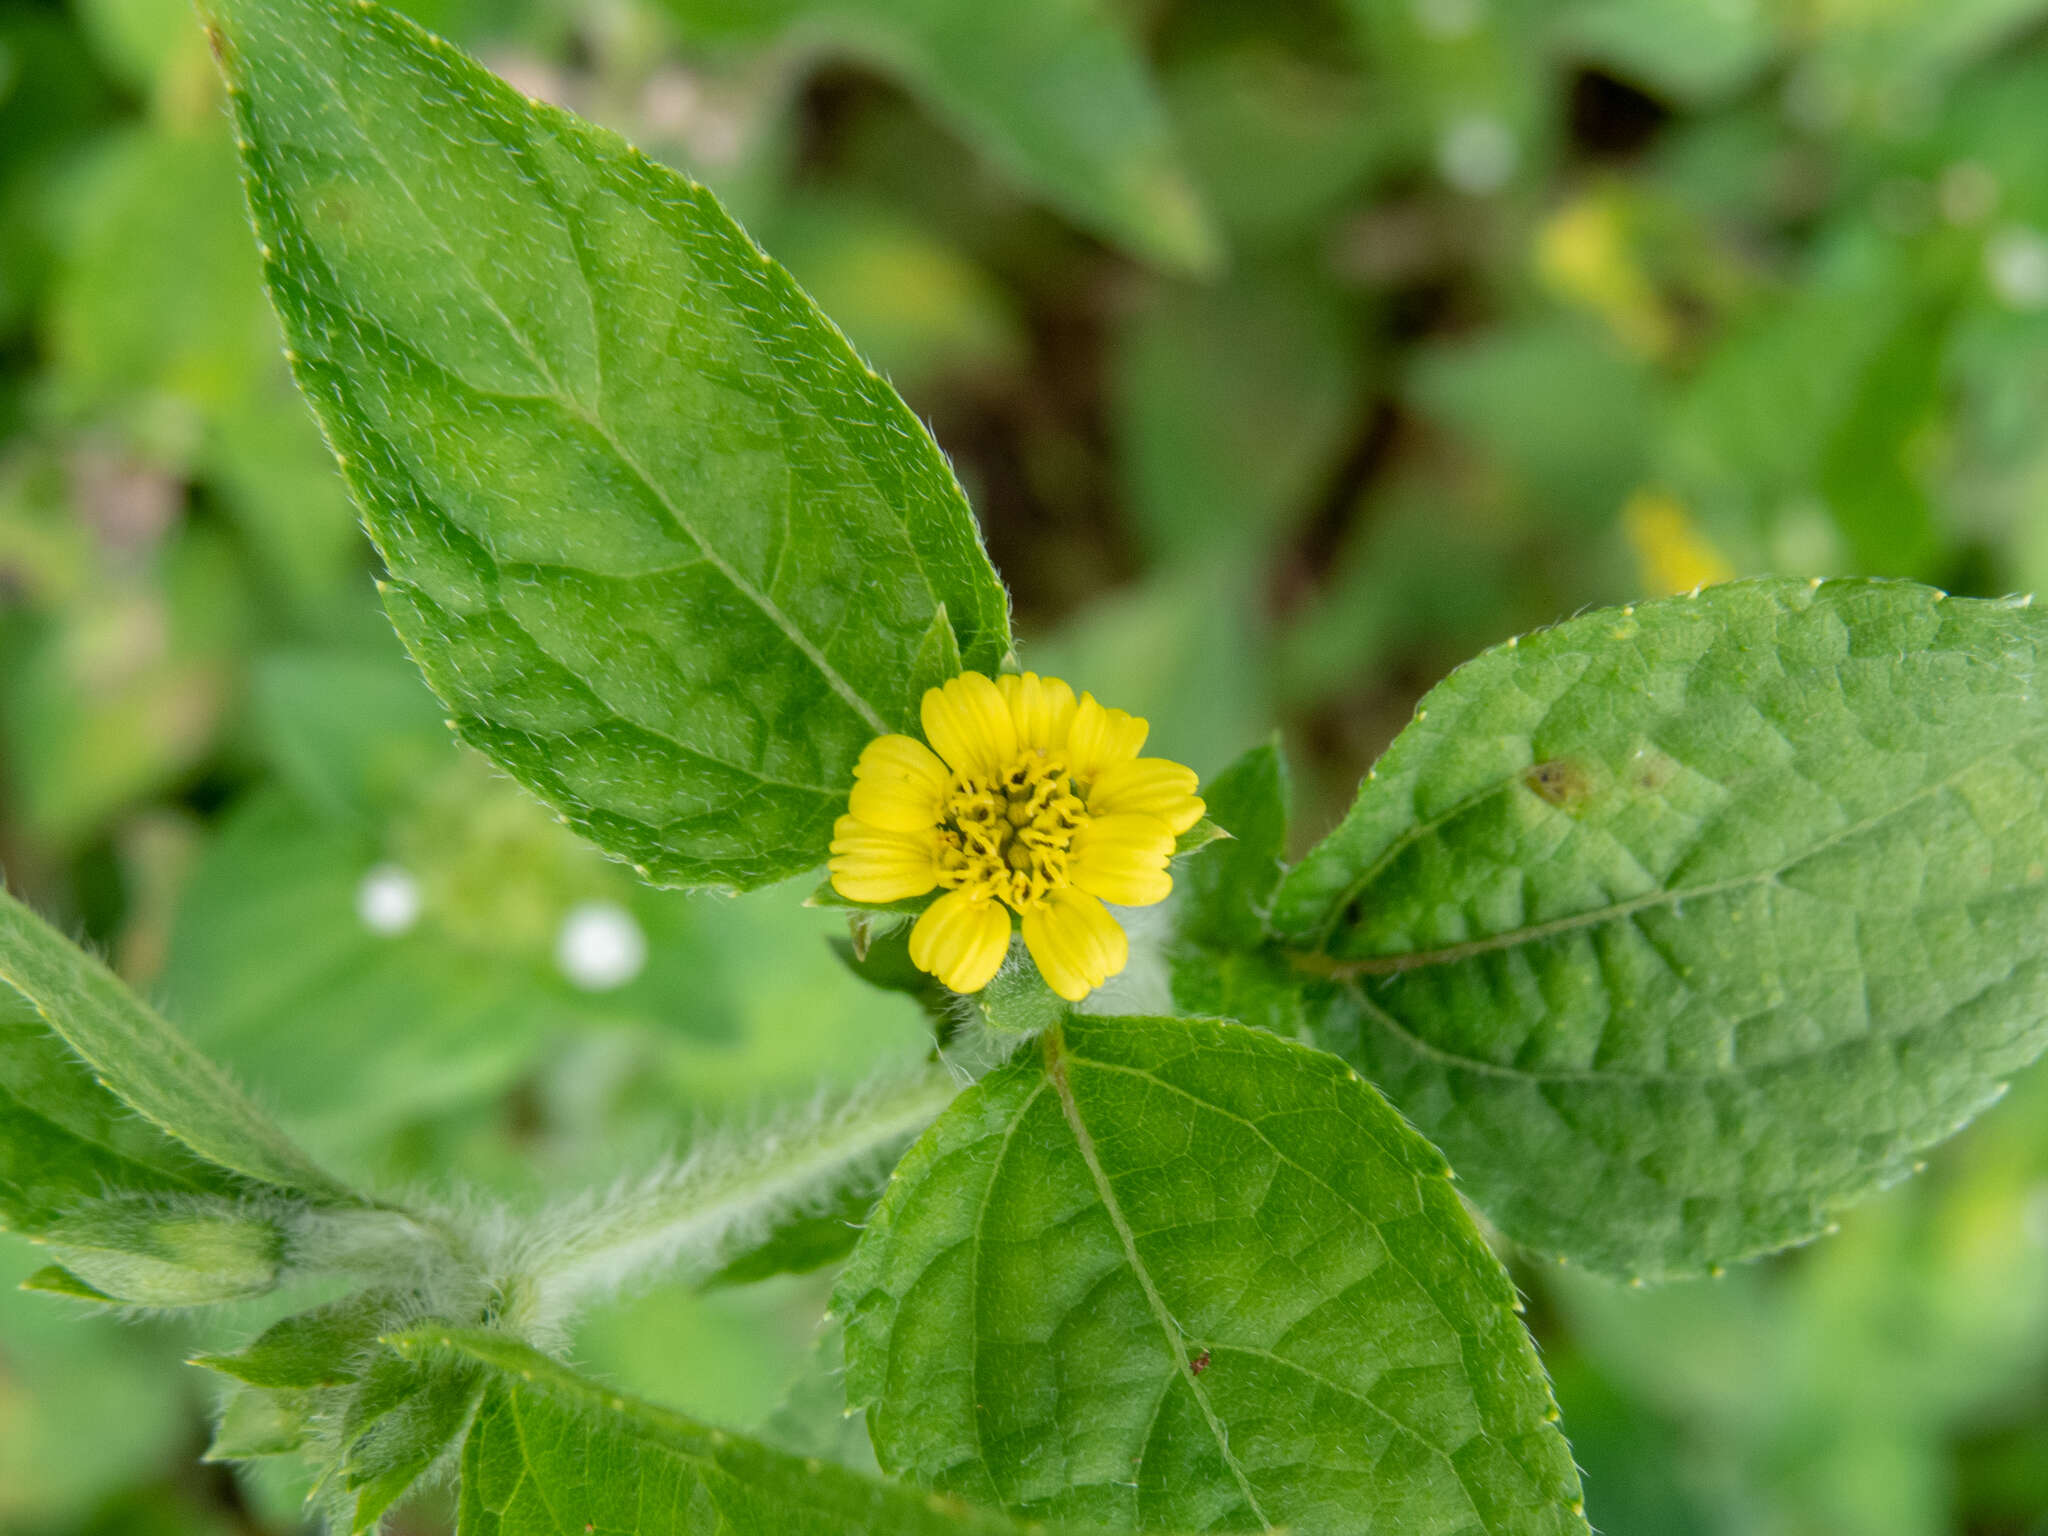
<point>698,1214</point>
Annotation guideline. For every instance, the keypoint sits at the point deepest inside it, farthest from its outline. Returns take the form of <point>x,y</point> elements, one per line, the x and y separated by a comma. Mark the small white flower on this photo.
<point>601,946</point>
<point>388,900</point>
<point>2016,265</point>
<point>1477,154</point>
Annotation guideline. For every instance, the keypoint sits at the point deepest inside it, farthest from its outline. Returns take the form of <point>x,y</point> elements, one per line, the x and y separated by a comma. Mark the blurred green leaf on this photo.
<point>672,663</point>
<point>89,1404</point>
<point>1684,50</point>
<point>120,692</point>
<point>1175,1273</point>
<point>160,292</point>
<point>1564,410</point>
<point>1051,90</point>
<point>255,1421</point>
<point>917,307</point>
<point>1232,401</point>
<point>353,736</point>
<point>1681,927</point>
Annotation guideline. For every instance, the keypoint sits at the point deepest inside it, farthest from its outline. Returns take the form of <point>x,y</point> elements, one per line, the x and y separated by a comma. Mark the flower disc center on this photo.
<point>1009,838</point>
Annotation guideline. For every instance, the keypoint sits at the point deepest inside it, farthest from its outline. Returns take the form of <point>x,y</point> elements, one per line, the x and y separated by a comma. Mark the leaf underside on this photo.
<point>1680,927</point>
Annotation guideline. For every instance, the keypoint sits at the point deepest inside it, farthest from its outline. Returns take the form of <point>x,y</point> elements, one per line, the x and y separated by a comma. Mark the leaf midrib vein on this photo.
<point>1176,1342</point>
<point>772,611</point>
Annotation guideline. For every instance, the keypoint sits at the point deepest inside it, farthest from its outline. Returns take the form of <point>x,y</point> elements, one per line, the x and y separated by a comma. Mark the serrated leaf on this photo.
<point>141,1060</point>
<point>553,1453</point>
<point>326,1346</point>
<point>667,549</point>
<point>1179,1273</point>
<point>1680,927</point>
<point>1055,93</point>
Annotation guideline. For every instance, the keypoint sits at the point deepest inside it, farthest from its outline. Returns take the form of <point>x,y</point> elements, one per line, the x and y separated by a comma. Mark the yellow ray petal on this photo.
<point>961,939</point>
<point>1041,707</point>
<point>1101,738</point>
<point>899,784</point>
<point>1077,944</point>
<point>871,863</point>
<point>1123,859</point>
<point>1149,786</point>
<point>967,722</point>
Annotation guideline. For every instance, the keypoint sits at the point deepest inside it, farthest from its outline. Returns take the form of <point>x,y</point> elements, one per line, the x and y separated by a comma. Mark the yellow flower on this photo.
<point>1033,803</point>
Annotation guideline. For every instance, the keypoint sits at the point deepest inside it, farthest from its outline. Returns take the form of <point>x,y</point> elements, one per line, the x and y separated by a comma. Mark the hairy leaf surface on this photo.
<point>1681,926</point>
<point>552,1453</point>
<point>135,1056</point>
<point>65,1140</point>
<point>1180,1274</point>
<point>664,545</point>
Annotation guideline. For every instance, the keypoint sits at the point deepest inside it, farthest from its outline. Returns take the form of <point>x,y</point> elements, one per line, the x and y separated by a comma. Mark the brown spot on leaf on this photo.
<point>1651,770</point>
<point>1199,1364</point>
<point>1561,781</point>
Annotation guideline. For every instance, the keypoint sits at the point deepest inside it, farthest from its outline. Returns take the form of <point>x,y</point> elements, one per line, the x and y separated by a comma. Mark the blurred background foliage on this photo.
<point>1290,353</point>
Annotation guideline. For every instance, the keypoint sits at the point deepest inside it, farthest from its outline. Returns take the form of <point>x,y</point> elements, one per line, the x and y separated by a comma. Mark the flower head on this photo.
<point>1029,802</point>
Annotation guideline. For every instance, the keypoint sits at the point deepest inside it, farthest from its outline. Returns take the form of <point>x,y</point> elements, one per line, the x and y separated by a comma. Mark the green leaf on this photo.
<point>668,550</point>
<point>65,1140</point>
<point>257,1422</point>
<point>1055,93</point>
<point>806,1242</point>
<point>407,1414</point>
<point>155,1253</point>
<point>1017,1000</point>
<point>1231,403</point>
<point>812,1419</point>
<point>351,734</point>
<point>140,1059</point>
<point>1680,927</point>
<point>1224,894</point>
<point>1173,1273</point>
<point>324,1347</point>
<point>553,1453</point>
<point>56,1280</point>
<point>1223,962</point>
